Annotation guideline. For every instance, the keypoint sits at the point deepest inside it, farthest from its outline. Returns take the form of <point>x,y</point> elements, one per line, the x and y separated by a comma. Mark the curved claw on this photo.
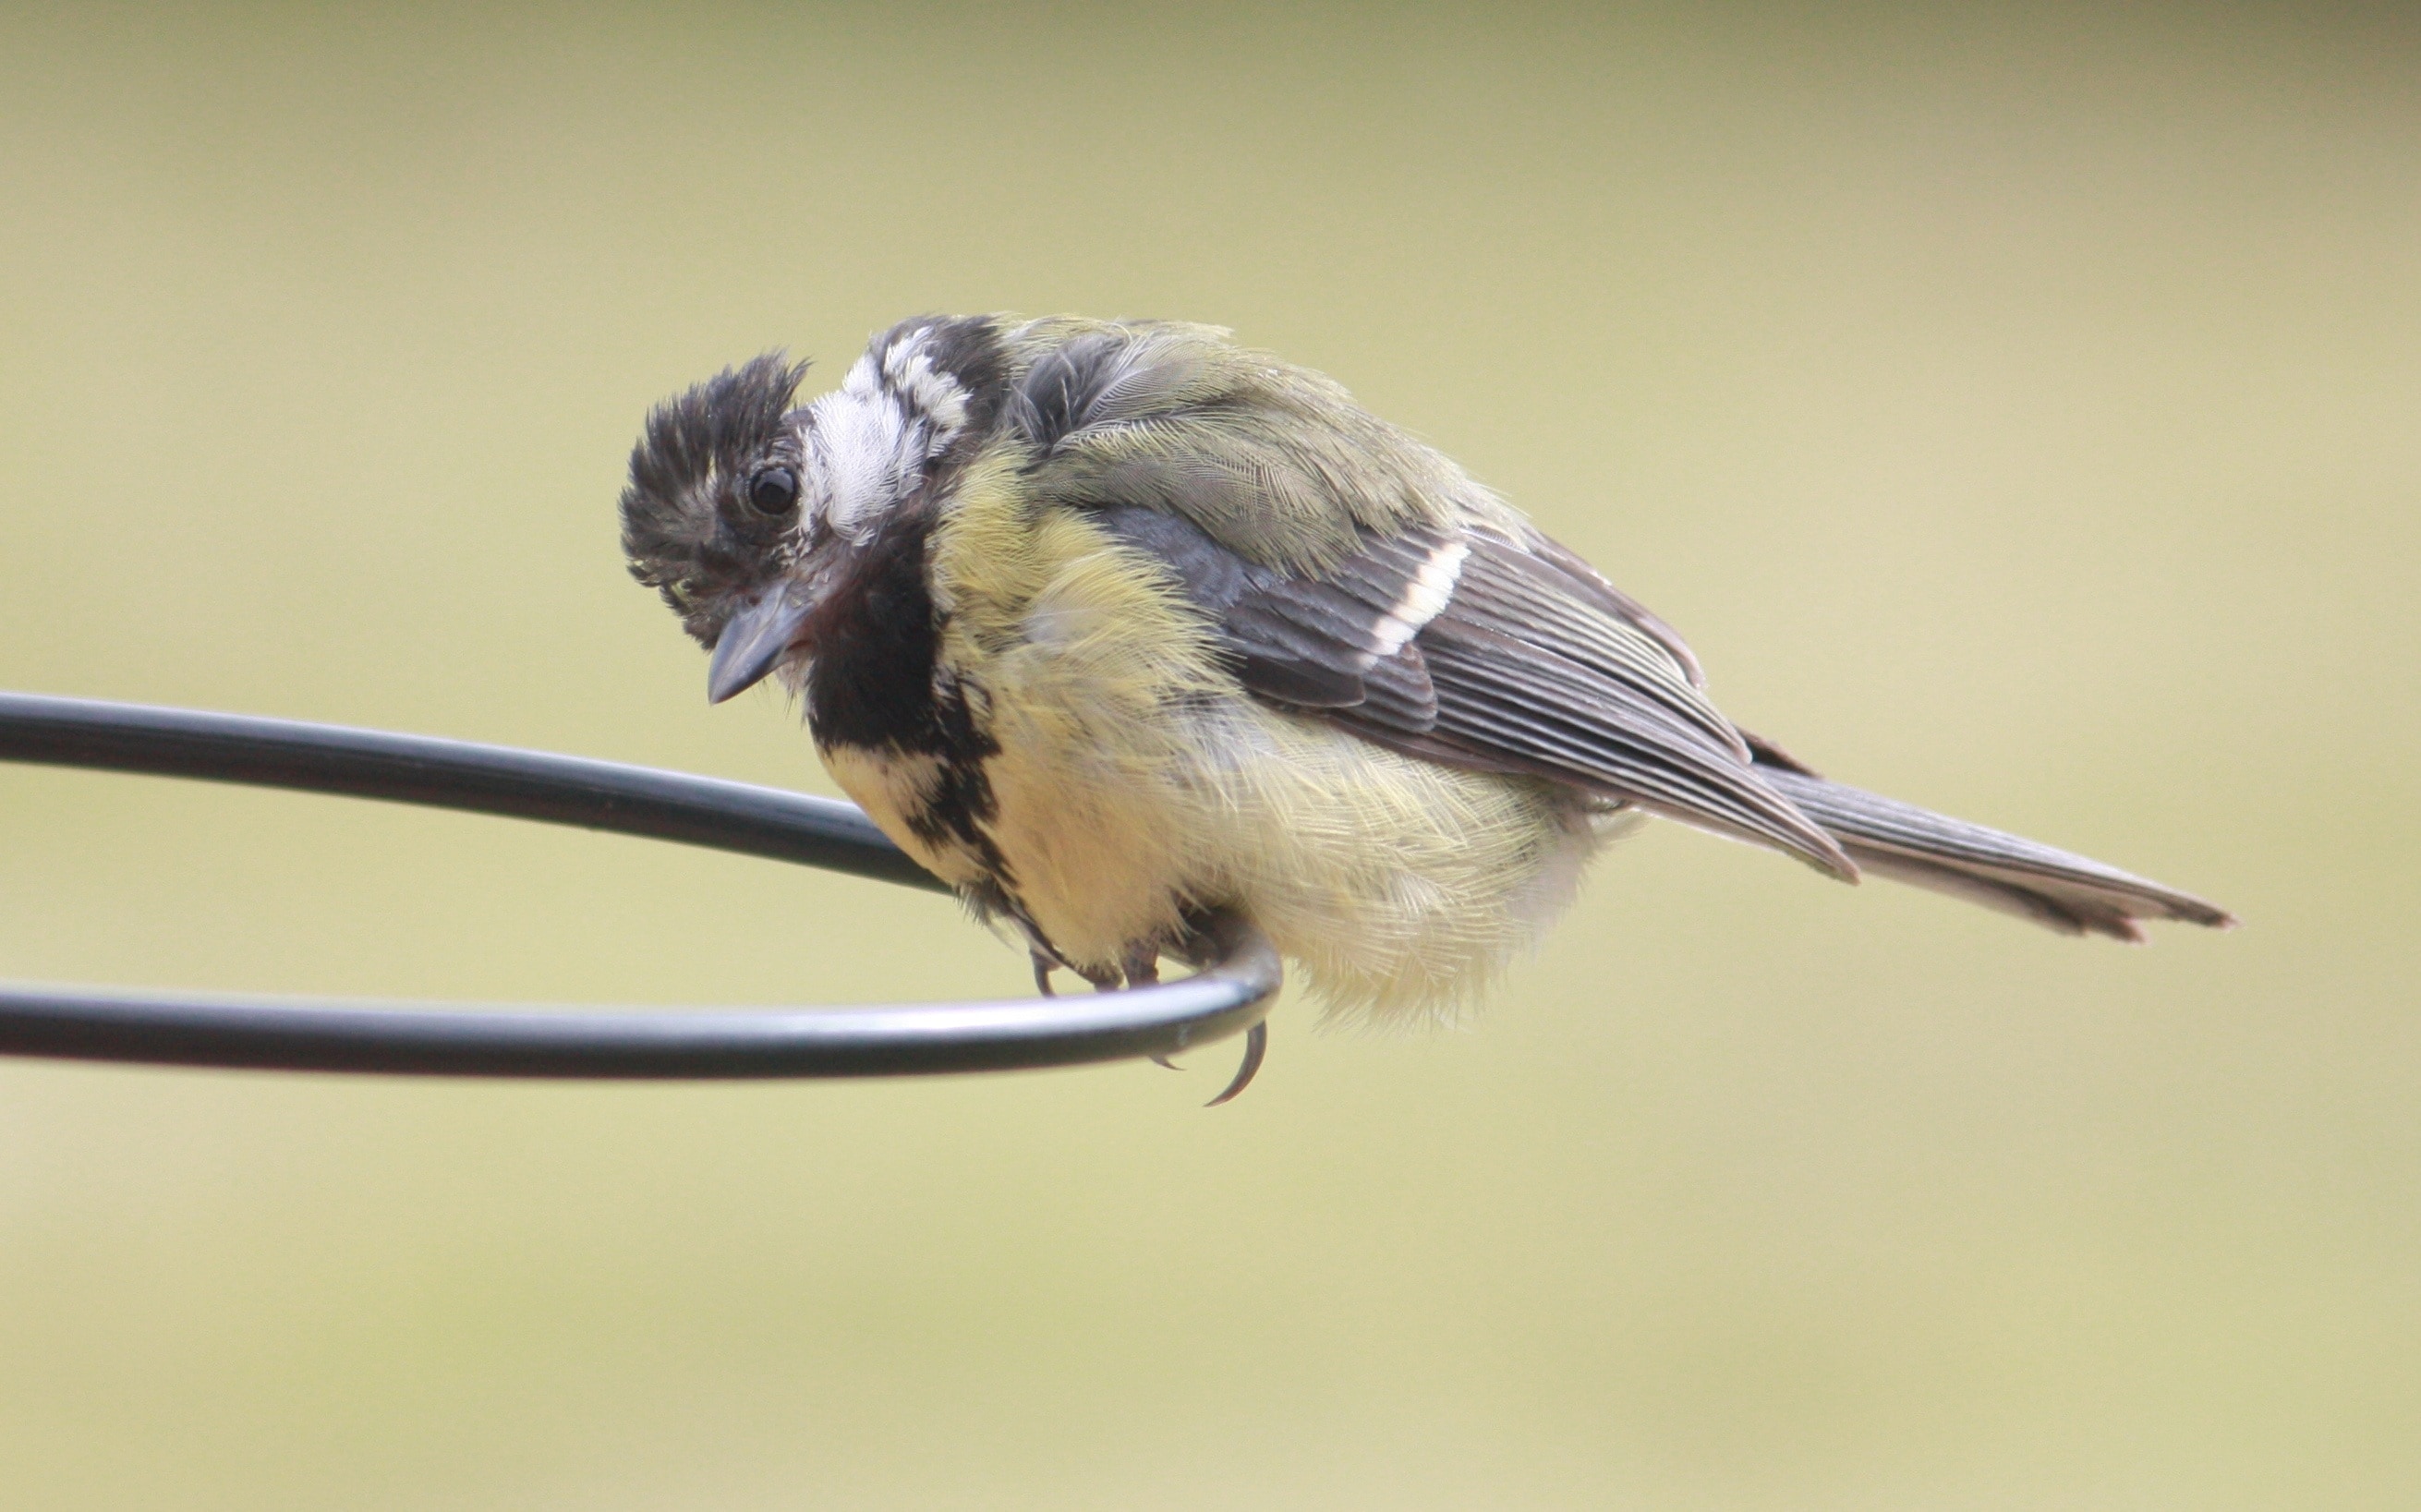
<point>1165,1063</point>
<point>1043,967</point>
<point>1256,1045</point>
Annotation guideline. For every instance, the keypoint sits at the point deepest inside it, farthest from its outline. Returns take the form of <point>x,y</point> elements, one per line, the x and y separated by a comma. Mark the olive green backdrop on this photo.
<point>2022,416</point>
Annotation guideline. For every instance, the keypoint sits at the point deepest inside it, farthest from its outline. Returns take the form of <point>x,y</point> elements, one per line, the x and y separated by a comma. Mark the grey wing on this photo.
<point>1462,647</point>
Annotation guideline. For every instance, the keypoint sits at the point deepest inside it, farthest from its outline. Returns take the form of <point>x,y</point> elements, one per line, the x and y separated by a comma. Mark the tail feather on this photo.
<point>2071,894</point>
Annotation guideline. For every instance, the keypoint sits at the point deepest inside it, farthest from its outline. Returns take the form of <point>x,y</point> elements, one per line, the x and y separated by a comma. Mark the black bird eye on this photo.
<point>773,492</point>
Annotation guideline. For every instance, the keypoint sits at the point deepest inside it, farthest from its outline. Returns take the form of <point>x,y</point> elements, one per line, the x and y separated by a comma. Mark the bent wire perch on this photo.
<point>1231,993</point>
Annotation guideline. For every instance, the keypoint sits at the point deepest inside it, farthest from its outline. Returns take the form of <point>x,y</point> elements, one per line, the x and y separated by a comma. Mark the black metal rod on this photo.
<point>462,774</point>
<point>457,1040</point>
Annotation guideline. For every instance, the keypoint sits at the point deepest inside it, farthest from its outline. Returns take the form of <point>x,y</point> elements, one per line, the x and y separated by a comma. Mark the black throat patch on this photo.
<point>875,684</point>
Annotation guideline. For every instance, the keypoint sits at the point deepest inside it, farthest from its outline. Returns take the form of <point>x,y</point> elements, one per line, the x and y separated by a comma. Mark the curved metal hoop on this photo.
<point>291,1034</point>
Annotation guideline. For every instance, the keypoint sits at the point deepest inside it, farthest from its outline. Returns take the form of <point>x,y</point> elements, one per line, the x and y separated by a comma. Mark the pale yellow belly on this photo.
<point>1396,884</point>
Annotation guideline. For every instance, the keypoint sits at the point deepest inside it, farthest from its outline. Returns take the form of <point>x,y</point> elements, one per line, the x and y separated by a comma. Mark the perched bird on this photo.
<point>1111,624</point>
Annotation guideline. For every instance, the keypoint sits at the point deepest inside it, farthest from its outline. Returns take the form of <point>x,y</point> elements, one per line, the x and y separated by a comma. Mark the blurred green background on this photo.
<point>2022,416</point>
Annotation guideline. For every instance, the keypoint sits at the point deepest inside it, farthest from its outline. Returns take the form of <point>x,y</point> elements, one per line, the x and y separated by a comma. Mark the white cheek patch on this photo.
<point>862,458</point>
<point>894,412</point>
<point>1423,597</point>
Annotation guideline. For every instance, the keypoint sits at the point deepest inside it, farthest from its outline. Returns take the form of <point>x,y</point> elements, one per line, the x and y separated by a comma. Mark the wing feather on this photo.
<point>1512,592</point>
<point>1502,679</point>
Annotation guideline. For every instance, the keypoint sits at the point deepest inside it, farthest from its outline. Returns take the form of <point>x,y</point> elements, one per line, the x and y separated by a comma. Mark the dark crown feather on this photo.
<point>695,444</point>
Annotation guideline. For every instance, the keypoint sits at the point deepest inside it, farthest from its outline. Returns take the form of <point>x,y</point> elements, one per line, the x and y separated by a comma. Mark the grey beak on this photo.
<point>755,640</point>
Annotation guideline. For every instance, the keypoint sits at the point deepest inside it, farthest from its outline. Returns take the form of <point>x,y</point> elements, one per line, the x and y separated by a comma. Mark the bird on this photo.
<point>1115,625</point>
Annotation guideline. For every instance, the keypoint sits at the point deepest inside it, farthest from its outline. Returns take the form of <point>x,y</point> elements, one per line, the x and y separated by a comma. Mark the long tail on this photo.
<point>2069,893</point>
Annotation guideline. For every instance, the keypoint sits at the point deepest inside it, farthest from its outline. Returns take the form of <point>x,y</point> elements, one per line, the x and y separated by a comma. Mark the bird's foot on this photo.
<point>1141,968</point>
<point>1256,1045</point>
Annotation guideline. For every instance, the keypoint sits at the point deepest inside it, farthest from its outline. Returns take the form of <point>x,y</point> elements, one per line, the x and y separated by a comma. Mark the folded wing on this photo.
<point>1462,647</point>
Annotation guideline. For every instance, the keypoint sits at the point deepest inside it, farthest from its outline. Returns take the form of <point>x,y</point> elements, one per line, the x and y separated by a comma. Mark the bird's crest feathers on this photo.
<point>678,527</point>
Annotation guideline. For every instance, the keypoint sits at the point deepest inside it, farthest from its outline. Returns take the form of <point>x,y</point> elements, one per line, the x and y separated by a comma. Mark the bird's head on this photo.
<point>744,511</point>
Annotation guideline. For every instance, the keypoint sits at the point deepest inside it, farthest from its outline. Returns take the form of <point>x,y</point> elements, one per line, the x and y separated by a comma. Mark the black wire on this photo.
<point>439,773</point>
<point>183,1029</point>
